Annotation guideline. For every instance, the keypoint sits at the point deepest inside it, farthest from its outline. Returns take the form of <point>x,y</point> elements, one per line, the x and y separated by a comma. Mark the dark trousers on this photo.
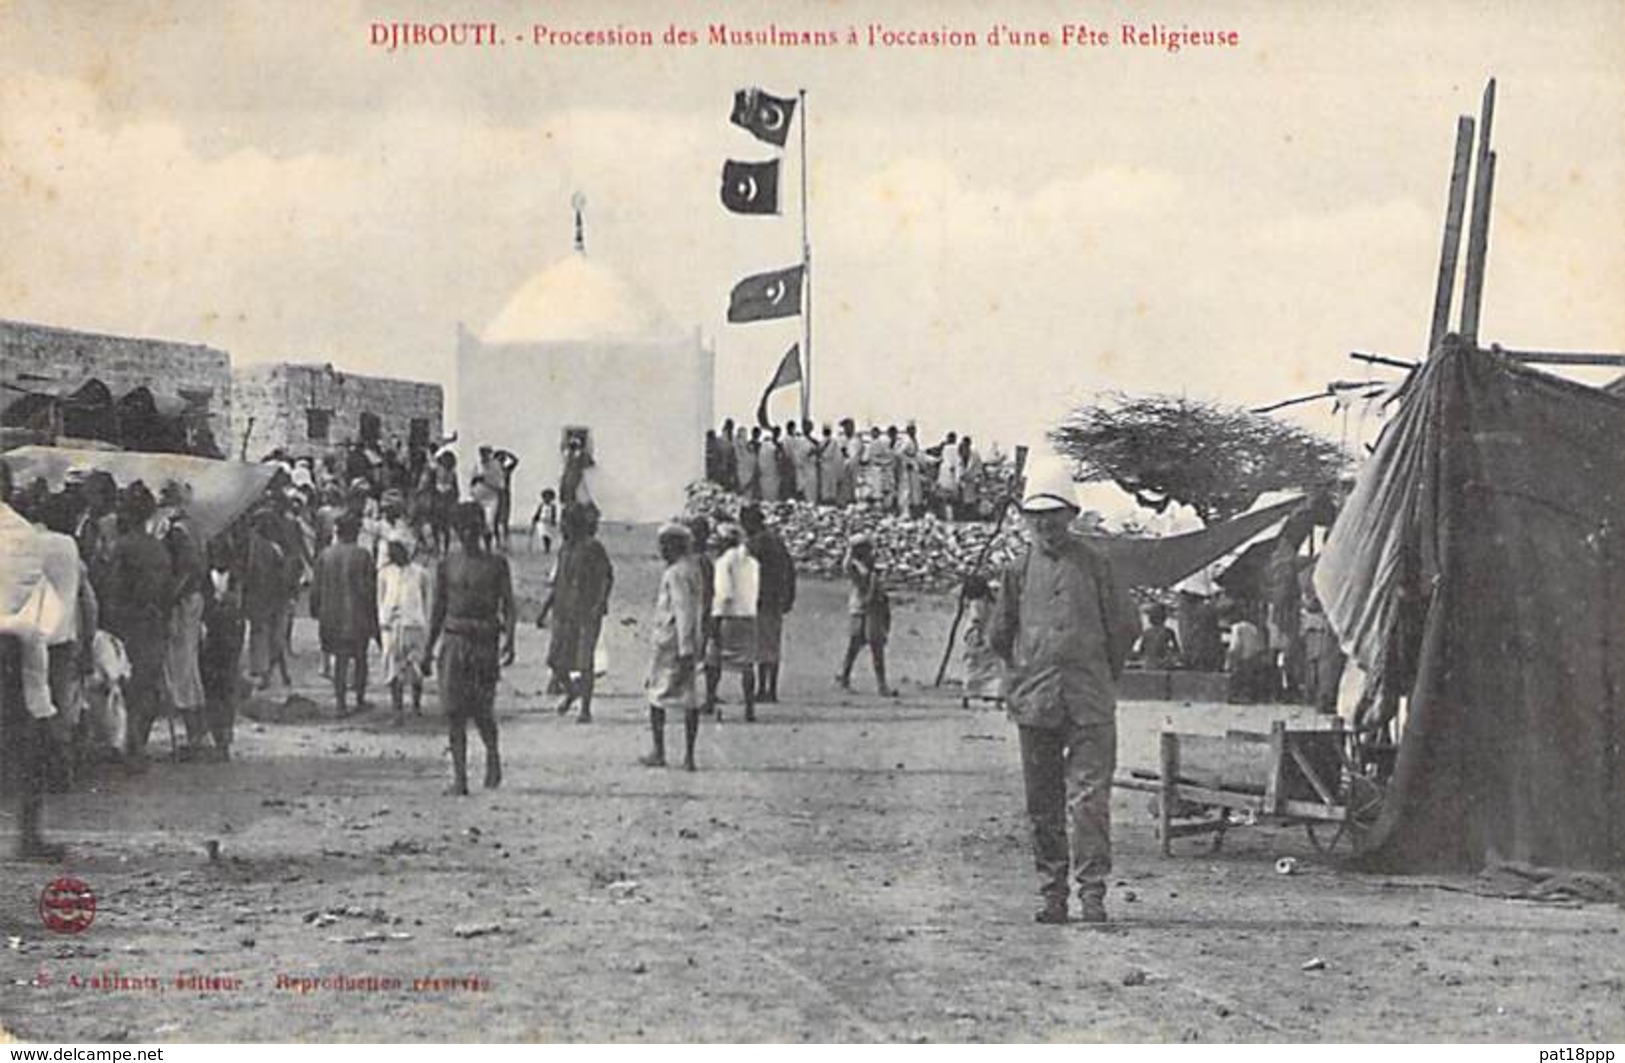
<point>1253,680</point>
<point>222,672</point>
<point>268,640</point>
<point>26,741</point>
<point>1068,772</point>
<point>144,690</point>
<point>504,515</point>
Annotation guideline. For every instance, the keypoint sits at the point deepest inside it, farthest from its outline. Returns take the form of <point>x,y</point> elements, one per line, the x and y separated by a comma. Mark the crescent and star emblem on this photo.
<point>775,292</point>
<point>746,187</point>
<point>772,116</point>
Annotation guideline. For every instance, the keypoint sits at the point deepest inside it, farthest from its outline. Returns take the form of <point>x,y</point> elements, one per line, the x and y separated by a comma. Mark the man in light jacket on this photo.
<point>1065,628</point>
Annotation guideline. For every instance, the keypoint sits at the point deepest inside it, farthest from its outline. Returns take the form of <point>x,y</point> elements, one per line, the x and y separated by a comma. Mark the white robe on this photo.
<point>39,600</point>
<point>736,584</point>
<point>403,619</point>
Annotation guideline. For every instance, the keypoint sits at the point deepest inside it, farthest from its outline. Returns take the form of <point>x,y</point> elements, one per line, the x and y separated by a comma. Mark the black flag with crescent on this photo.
<point>751,187</point>
<point>765,296</point>
<point>767,117</point>
<point>789,372</point>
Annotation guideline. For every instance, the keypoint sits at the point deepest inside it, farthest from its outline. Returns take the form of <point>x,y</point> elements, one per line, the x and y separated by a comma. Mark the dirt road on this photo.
<point>845,869</point>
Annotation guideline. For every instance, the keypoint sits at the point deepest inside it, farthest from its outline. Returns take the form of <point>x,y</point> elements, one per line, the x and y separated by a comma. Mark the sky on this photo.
<point>998,234</point>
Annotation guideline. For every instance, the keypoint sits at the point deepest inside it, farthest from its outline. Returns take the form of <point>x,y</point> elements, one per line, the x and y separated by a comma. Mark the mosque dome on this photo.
<point>577,300</point>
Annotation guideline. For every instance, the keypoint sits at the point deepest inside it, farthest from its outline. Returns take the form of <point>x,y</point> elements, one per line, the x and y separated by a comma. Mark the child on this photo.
<point>984,671</point>
<point>1158,647</point>
<point>223,627</point>
<point>545,521</point>
<point>403,620</point>
<point>869,612</point>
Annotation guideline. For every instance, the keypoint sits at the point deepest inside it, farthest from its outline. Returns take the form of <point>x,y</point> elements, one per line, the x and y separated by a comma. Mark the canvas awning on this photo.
<point>221,490</point>
<point>1479,564</point>
<point>1164,562</point>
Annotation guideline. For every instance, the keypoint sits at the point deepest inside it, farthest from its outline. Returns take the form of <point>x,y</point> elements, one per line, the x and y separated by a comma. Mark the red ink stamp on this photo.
<point>67,906</point>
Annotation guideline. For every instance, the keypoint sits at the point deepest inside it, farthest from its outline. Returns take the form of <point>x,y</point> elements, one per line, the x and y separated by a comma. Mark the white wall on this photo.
<point>647,406</point>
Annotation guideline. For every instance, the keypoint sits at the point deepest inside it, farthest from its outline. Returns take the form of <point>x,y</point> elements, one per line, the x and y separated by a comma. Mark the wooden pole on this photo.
<point>1381,359</point>
<point>1535,357</point>
<point>806,275</point>
<point>1472,295</point>
<point>1299,401</point>
<point>1562,357</point>
<point>1331,392</point>
<point>1455,208</point>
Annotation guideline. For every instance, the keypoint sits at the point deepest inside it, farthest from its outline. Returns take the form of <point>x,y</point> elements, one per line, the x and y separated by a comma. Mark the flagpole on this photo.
<point>806,274</point>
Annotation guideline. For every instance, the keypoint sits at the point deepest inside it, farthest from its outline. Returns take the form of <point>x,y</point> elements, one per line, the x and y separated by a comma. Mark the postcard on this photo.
<point>469,417</point>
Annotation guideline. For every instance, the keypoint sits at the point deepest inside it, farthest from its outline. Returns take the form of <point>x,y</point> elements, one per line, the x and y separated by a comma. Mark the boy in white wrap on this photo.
<point>403,622</point>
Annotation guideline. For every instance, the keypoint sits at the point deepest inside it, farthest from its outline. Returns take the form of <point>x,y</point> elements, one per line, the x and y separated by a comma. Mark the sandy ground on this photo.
<point>845,869</point>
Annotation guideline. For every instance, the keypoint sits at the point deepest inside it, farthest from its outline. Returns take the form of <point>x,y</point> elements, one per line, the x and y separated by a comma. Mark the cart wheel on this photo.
<point>1363,800</point>
<point>1323,841</point>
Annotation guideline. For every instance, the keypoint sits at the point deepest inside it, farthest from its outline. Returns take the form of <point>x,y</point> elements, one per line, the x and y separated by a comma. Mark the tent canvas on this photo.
<point>221,490</point>
<point>1477,563</point>
<point>1165,561</point>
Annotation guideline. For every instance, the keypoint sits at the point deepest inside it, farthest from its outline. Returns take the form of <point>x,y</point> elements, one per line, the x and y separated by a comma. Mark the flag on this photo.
<point>765,296</point>
<point>789,372</point>
<point>766,117</point>
<point>751,187</point>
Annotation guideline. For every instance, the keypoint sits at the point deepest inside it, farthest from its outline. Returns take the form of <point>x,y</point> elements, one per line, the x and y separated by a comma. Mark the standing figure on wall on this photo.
<point>769,483</point>
<point>909,499</point>
<point>573,488</point>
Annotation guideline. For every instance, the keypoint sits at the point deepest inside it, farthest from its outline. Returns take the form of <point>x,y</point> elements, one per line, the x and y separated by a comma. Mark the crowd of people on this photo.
<point>180,627</point>
<point>888,469</point>
<point>138,618</point>
<point>182,610</point>
<point>1262,660</point>
<point>422,482</point>
<point>165,623</point>
<point>165,620</point>
<point>720,610</point>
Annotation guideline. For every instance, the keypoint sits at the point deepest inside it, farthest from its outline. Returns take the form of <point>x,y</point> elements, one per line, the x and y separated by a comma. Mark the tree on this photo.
<point>1215,459</point>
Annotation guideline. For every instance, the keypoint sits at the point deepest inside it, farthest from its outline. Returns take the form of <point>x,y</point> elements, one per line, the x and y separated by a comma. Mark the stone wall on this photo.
<point>287,403</point>
<point>43,358</point>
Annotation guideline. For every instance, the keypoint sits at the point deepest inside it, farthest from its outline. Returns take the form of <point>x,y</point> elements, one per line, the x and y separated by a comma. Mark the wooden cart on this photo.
<point>1297,774</point>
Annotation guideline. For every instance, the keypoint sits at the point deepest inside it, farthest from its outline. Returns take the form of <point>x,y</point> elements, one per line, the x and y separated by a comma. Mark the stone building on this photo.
<point>63,383</point>
<point>307,408</point>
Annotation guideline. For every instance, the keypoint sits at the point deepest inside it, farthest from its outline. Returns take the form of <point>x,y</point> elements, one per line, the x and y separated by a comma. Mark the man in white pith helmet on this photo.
<point>1064,626</point>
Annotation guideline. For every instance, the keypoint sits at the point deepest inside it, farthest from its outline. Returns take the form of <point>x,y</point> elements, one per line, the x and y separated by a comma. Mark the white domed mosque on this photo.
<point>579,353</point>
